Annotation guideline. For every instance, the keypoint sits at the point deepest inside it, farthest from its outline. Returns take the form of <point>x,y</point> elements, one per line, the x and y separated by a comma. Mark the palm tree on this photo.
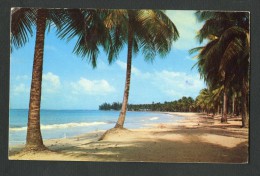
<point>148,30</point>
<point>85,24</point>
<point>225,59</point>
<point>208,66</point>
<point>23,20</point>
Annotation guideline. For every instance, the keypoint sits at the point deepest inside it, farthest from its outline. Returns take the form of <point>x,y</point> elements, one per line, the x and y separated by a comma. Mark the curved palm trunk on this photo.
<point>34,137</point>
<point>245,118</point>
<point>121,119</point>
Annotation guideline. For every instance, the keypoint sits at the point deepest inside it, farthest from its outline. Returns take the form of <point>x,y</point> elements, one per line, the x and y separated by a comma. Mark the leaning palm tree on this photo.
<point>23,21</point>
<point>148,30</point>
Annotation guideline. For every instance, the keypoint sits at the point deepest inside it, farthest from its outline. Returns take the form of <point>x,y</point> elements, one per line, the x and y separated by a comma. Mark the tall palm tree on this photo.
<point>23,21</point>
<point>148,30</point>
<point>225,59</point>
<point>87,25</point>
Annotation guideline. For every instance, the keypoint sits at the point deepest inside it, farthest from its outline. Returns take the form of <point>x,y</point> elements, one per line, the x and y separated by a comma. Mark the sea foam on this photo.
<point>154,118</point>
<point>62,126</point>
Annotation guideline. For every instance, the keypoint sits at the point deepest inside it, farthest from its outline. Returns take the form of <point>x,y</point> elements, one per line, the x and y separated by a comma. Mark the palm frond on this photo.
<point>22,22</point>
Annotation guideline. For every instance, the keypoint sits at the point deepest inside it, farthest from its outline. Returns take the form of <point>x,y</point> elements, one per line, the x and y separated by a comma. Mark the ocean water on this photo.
<point>69,123</point>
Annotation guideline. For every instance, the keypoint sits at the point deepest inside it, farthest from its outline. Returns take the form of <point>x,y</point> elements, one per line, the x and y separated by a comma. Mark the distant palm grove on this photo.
<point>185,104</point>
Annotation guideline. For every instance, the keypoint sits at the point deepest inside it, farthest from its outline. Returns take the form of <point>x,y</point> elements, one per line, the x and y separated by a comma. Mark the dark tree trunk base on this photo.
<point>223,119</point>
<point>32,148</point>
<point>245,125</point>
<point>118,126</point>
<point>114,131</point>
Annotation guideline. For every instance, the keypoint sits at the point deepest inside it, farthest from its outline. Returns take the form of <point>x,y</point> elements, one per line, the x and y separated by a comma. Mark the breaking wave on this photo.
<point>61,126</point>
<point>154,118</point>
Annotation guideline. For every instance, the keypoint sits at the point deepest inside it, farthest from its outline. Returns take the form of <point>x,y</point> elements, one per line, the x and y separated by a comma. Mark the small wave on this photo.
<point>154,118</point>
<point>111,121</point>
<point>66,125</point>
<point>16,126</point>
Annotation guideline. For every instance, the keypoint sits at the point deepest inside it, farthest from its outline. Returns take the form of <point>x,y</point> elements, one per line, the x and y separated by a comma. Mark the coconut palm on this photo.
<point>85,24</point>
<point>209,59</point>
<point>225,59</point>
<point>23,21</point>
<point>148,30</point>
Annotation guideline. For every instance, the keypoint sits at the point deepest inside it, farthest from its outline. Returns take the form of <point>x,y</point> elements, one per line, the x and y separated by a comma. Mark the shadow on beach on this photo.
<point>198,138</point>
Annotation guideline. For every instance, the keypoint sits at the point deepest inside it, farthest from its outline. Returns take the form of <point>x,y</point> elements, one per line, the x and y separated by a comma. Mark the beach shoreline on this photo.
<point>196,138</point>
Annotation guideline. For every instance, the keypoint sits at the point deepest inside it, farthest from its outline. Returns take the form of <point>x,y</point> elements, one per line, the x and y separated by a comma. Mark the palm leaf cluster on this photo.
<point>224,60</point>
<point>24,21</point>
<point>209,101</point>
<point>88,26</point>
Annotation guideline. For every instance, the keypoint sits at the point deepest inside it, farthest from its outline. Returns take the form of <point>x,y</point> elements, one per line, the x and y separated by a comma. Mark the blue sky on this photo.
<point>69,82</point>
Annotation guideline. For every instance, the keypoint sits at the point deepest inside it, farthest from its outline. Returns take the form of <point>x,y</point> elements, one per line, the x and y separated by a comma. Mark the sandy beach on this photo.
<point>197,138</point>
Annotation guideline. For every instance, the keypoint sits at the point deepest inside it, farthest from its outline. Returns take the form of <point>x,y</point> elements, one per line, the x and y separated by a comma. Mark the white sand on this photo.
<point>197,138</point>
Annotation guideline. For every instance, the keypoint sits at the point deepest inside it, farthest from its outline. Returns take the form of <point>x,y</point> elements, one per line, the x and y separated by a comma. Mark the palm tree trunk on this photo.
<point>245,118</point>
<point>224,116</point>
<point>34,137</point>
<point>233,105</point>
<point>121,119</point>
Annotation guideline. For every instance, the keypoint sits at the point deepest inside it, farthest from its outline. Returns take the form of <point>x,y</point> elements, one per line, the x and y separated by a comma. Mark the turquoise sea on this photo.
<point>69,123</point>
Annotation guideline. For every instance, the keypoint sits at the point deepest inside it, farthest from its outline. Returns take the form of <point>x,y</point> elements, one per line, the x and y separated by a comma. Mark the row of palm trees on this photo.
<point>224,61</point>
<point>211,102</point>
<point>149,31</point>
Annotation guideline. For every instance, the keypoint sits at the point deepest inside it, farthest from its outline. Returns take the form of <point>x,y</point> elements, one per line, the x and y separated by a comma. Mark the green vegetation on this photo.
<point>185,104</point>
<point>224,61</point>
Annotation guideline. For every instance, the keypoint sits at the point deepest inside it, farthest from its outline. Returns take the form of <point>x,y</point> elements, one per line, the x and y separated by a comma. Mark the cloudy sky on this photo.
<point>69,82</point>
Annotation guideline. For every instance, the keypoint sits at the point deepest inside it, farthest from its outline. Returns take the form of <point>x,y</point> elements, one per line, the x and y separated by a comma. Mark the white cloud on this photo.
<point>22,77</point>
<point>187,26</point>
<point>122,65</point>
<point>177,84</point>
<point>50,48</point>
<point>173,84</point>
<point>170,83</point>
<point>19,89</point>
<point>50,82</point>
<point>91,87</point>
